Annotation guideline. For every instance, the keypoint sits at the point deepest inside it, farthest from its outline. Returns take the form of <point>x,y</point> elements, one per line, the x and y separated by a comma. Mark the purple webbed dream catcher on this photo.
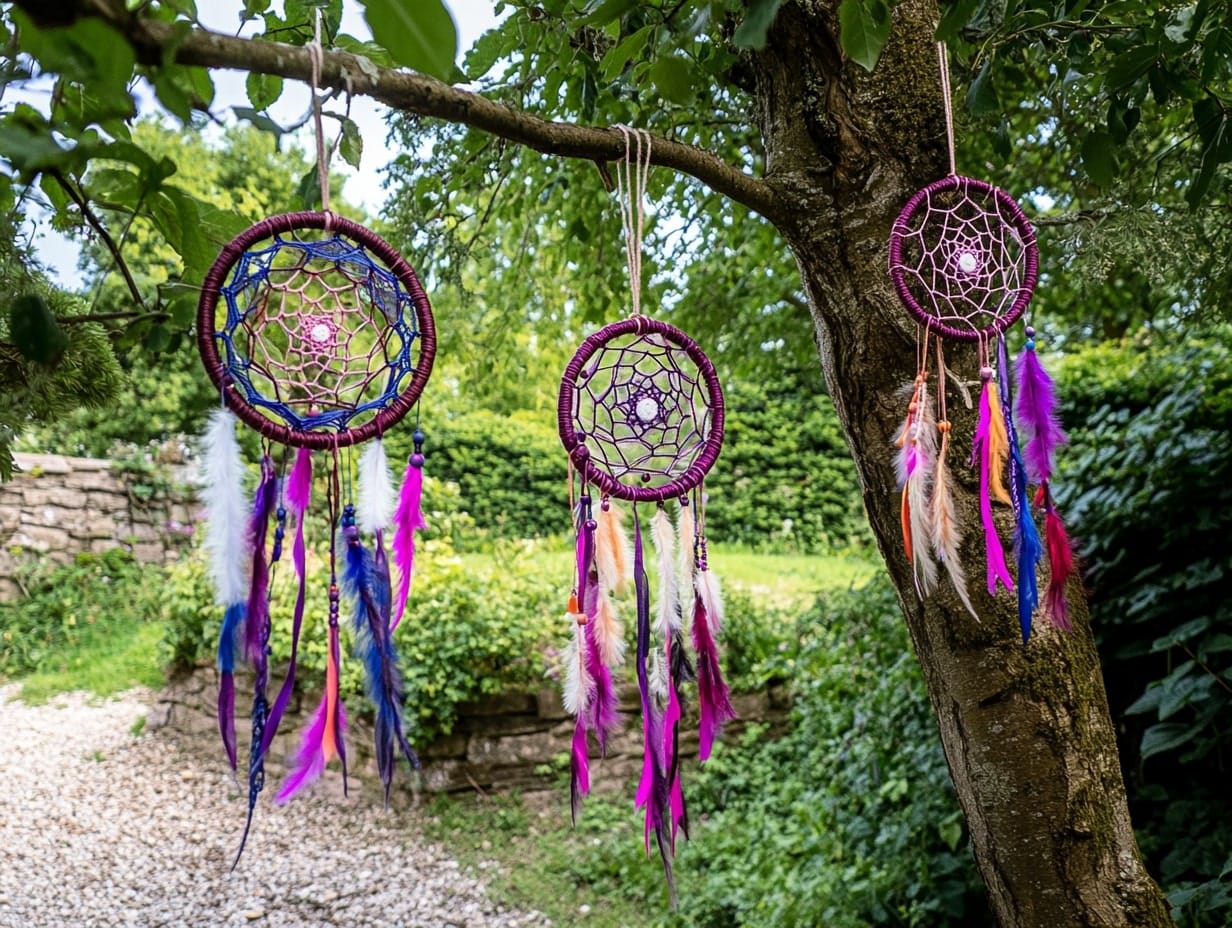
<point>964,262</point>
<point>640,414</point>
<point>319,336</point>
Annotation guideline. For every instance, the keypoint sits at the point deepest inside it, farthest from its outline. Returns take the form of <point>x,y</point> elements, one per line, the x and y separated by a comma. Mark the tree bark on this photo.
<point>1026,729</point>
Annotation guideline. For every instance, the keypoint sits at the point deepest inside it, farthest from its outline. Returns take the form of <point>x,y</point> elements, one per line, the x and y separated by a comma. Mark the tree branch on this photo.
<point>426,96</point>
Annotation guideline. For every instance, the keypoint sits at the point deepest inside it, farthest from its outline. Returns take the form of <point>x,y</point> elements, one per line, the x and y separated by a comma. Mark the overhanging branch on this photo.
<point>426,96</point>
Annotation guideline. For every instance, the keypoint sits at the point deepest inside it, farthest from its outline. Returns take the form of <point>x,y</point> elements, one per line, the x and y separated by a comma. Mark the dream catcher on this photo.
<point>964,262</point>
<point>317,335</point>
<point>641,415</point>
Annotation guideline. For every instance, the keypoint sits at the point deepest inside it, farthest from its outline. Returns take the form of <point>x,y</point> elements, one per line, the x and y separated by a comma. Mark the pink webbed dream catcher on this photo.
<point>964,262</point>
<point>640,414</point>
<point>319,336</point>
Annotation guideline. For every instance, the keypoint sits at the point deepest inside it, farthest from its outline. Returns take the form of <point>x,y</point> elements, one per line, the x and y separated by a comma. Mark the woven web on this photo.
<point>316,334</point>
<point>642,409</point>
<point>963,259</point>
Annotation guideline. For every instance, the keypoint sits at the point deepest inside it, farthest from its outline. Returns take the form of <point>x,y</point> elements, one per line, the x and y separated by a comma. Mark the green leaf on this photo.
<point>1186,631</point>
<point>752,32</point>
<point>1129,66</point>
<point>1099,158</point>
<point>673,79</point>
<point>982,99</point>
<point>263,89</point>
<point>308,190</point>
<point>864,27</point>
<point>420,36</point>
<point>260,120</point>
<point>1147,702</point>
<point>957,16</point>
<point>607,11</point>
<point>253,9</point>
<point>1165,736</point>
<point>620,55</point>
<point>351,145</point>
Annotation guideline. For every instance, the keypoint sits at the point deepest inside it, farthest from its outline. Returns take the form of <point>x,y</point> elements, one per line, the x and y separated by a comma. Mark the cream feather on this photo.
<point>226,536</point>
<point>374,510</point>
<point>609,633</point>
<point>578,684</point>
<point>661,534</point>
<point>658,675</point>
<point>613,555</point>
<point>685,528</point>
<point>946,535</point>
<point>711,597</point>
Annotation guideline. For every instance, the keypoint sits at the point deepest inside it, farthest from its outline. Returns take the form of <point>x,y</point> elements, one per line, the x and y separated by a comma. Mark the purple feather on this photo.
<point>226,716</point>
<point>309,761</point>
<point>602,714</point>
<point>299,490</point>
<point>995,554</point>
<point>579,769</point>
<point>258,590</point>
<point>1035,406</point>
<point>408,519</point>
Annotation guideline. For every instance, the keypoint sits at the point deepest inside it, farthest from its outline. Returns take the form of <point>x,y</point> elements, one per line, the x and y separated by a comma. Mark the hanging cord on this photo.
<point>316,52</point>
<point>631,178</point>
<point>943,61</point>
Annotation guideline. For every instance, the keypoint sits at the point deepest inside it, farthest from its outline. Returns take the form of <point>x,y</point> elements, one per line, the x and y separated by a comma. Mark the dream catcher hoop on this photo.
<point>319,336</point>
<point>640,414</point>
<point>964,262</point>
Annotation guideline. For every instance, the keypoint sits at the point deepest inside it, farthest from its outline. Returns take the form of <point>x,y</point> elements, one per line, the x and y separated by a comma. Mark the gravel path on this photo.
<point>102,828</point>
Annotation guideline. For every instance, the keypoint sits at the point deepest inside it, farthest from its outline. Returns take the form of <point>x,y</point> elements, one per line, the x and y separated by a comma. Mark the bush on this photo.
<point>1147,489</point>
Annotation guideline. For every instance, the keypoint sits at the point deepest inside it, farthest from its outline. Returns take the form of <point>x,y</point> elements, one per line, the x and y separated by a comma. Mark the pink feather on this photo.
<point>408,519</point>
<point>579,768</point>
<point>713,696</point>
<point>995,554</point>
<point>309,761</point>
<point>1061,565</point>
<point>299,482</point>
<point>1035,409</point>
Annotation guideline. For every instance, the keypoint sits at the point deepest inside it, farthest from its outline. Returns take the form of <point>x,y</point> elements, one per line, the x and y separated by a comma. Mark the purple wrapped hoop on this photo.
<point>640,411</point>
<point>963,258</point>
<point>325,300</point>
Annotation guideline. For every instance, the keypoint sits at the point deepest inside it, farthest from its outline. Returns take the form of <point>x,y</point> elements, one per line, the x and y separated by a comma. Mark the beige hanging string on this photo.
<point>316,53</point>
<point>631,177</point>
<point>943,61</point>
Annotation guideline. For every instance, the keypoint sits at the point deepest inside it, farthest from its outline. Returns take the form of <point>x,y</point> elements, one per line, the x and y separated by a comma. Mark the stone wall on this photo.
<point>56,507</point>
<point>512,741</point>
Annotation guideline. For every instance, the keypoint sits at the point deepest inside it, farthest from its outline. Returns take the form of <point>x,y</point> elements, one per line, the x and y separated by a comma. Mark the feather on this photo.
<point>298,492</point>
<point>713,696</point>
<point>1027,547</point>
<point>1036,408</point>
<point>579,769</point>
<point>654,792</point>
<point>1061,565</point>
<point>609,634</point>
<point>227,647</point>
<point>946,536</point>
<point>364,582</point>
<point>658,676</point>
<point>374,510</point>
<point>998,449</point>
<point>915,462</point>
<point>686,533</point>
<point>668,621</point>
<point>994,553</point>
<point>257,614</point>
<point>602,716</point>
<point>711,597</point>
<point>612,550</point>
<point>578,686</point>
<point>408,519</point>
<point>222,493</point>
<point>671,748</point>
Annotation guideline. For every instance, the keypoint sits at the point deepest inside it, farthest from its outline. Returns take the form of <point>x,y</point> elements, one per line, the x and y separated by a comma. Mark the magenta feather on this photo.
<point>1061,565</point>
<point>1035,409</point>
<point>579,769</point>
<point>258,590</point>
<point>309,761</point>
<point>995,554</point>
<point>713,696</point>
<point>408,519</point>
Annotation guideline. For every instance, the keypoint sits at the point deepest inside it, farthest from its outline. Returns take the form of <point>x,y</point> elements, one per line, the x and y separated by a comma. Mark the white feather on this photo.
<point>575,693</point>
<point>919,491</point>
<point>226,534</point>
<point>658,675</point>
<point>669,593</point>
<point>711,597</point>
<point>684,560</point>
<point>374,511</point>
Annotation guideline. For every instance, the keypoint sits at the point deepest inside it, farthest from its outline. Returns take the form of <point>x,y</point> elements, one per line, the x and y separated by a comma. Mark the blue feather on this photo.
<point>228,637</point>
<point>366,580</point>
<point>1027,545</point>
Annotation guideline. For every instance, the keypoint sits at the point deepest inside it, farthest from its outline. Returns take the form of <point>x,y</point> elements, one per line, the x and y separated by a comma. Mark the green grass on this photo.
<point>104,663</point>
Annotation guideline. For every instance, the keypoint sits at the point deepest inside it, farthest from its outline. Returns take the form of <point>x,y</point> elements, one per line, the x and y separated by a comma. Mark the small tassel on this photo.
<point>408,519</point>
<point>995,554</point>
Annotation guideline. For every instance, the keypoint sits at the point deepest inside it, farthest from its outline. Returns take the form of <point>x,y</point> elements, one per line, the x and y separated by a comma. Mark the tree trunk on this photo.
<point>1026,730</point>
